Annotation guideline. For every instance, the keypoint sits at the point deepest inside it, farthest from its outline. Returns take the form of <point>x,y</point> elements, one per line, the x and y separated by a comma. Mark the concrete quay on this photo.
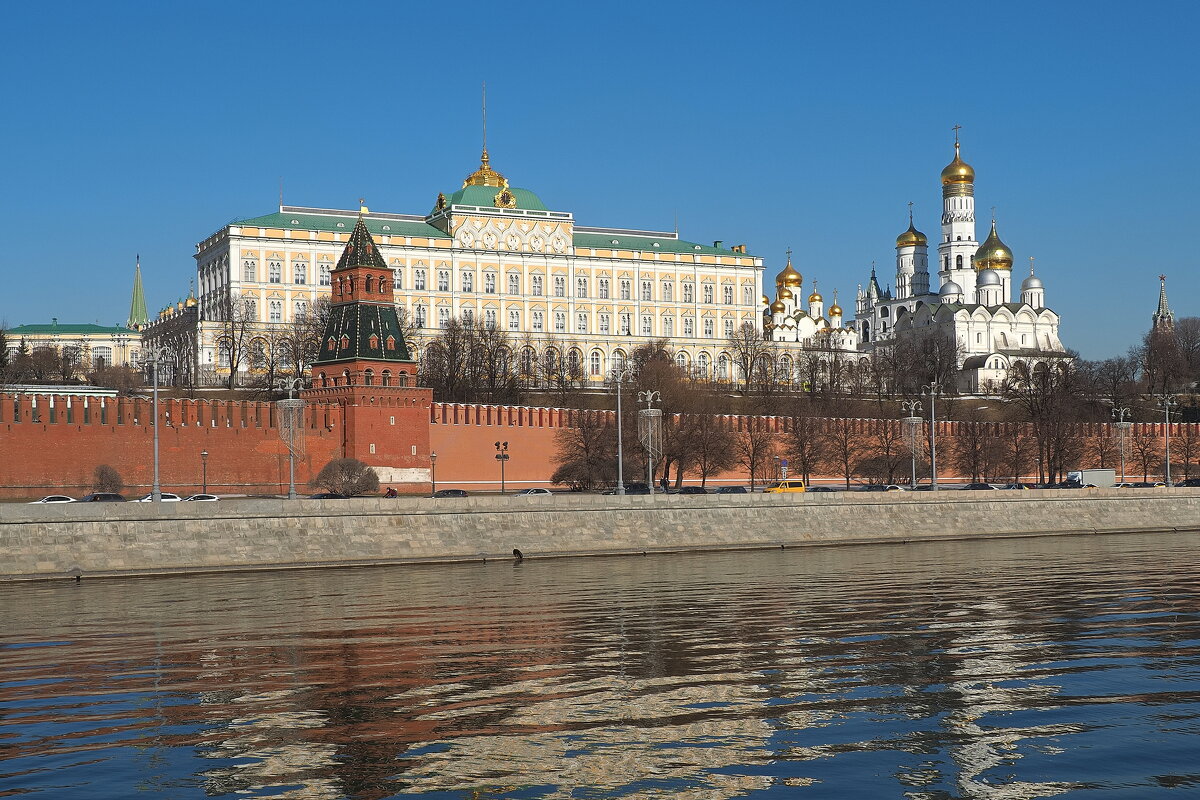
<point>114,539</point>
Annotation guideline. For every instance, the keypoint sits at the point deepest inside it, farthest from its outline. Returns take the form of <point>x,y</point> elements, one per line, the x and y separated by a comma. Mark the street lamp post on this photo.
<point>913,423</point>
<point>204,472</point>
<point>650,426</point>
<point>152,355</point>
<point>1122,433</point>
<point>1167,403</point>
<point>620,374</point>
<point>290,385</point>
<point>433,471</point>
<point>502,456</point>
<point>932,391</point>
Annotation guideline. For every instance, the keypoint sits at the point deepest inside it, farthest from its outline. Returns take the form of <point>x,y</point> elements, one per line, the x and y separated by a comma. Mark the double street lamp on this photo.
<point>292,426</point>
<point>1166,404</point>
<point>620,374</point>
<point>650,431</point>
<point>912,424</point>
<point>1122,427</point>
<point>932,391</point>
<point>502,456</point>
<point>152,356</point>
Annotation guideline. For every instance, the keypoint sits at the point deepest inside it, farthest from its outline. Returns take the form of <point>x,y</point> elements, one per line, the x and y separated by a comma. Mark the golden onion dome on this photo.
<point>957,171</point>
<point>191,301</point>
<point>993,253</point>
<point>785,293</point>
<point>766,301</point>
<point>815,298</point>
<point>835,310</point>
<point>789,276</point>
<point>778,307</point>
<point>911,237</point>
<point>485,175</point>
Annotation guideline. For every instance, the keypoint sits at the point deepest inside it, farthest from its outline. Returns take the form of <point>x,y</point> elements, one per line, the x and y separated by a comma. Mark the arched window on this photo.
<point>404,379</point>
<point>324,379</point>
<point>346,377</point>
<point>387,377</point>
<point>369,377</point>
<point>595,362</point>
<point>702,365</point>
<point>681,360</point>
<point>946,259</point>
<point>723,367</point>
<point>369,283</point>
<point>958,262</point>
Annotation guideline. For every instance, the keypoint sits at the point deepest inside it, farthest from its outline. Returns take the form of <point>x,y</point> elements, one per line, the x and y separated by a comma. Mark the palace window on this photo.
<point>325,271</point>
<point>420,315</point>
<point>668,326</point>
<point>747,295</point>
<point>300,309</point>
<point>560,286</point>
<point>300,272</point>
<point>646,290</point>
<point>581,322</point>
<point>727,295</point>
<point>468,281</point>
<point>536,285</point>
<point>668,291</point>
<point>489,282</point>
<point>443,317</point>
<point>689,292</point>
<point>595,362</point>
<point>275,271</point>
<point>249,270</point>
<point>514,283</point>
<point>708,328</point>
<point>581,287</point>
<point>702,364</point>
<point>560,322</point>
<point>625,289</point>
<point>489,318</point>
<point>443,280</point>
<point>538,322</point>
<point>419,280</point>
<point>728,328</point>
<point>514,320</point>
<point>468,315</point>
<point>689,327</point>
<point>708,293</point>
<point>647,324</point>
<point>397,279</point>
<point>604,288</point>
<point>958,262</point>
<point>626,323</point>
<point>605,323</point>
<point>251,308</point>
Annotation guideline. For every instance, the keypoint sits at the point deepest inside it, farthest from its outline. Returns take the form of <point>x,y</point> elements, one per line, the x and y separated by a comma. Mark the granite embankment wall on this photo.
<point>103,539</point>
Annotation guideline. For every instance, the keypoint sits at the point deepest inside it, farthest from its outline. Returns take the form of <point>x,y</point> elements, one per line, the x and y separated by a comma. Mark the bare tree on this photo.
<point>236,319</point>
<point>586,454</point>
<point>844,442</point>
<point>1050,396</point>
<point>1147,449</point>
<point>751,352</point>
<point>886,454</point>
<point>348,477</point>
<point>806,444</point>
<point>754,448</point>
<point>107,479</point>
<point>1164,368</point>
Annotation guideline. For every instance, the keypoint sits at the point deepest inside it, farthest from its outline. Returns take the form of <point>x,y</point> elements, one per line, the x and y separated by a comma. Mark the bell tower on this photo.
<point>364,366</point>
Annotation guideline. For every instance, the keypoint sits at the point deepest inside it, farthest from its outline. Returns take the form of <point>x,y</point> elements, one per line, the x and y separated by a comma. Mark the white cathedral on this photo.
<point>973,305</point>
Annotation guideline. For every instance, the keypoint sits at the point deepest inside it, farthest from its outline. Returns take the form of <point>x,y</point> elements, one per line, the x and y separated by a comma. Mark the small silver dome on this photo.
<point>988,277</point>
<point>950,287</point>
<point>1032,282</point>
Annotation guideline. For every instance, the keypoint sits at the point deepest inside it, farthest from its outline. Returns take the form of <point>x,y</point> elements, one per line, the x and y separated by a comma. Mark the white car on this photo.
<point>54,498</point>
<point>529,492</point>
<point>167,497</point>
<point>204,498</point>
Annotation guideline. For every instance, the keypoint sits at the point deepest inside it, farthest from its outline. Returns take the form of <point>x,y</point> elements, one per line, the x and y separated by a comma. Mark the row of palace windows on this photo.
<point>275,272</point>
<point>551,361</point>
<point>559,319</point>
<point>274,309</point>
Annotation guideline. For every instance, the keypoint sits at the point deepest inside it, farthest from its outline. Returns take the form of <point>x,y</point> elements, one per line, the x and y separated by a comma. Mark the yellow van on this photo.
<point>779,487</point>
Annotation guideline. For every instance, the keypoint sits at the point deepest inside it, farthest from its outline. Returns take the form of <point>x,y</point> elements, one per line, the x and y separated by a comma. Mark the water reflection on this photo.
<point>1015,669</point>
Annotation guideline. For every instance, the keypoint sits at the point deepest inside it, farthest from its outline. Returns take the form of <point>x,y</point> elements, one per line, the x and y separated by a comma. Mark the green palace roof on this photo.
<point>329,222</point>
<point>485,196</point>
<point>649,244</point>
<point>66,330</point>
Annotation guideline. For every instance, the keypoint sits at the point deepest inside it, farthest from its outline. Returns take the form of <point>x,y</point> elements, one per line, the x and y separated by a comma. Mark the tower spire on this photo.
<point>1163,319</point>
<point>138,318</point>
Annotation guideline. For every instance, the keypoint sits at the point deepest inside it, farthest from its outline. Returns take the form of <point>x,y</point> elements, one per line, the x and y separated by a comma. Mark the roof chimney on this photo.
<point>717,244</point>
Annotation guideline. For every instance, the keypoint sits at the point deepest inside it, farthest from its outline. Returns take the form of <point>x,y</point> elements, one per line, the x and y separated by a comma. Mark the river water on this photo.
<point>1057,667</point>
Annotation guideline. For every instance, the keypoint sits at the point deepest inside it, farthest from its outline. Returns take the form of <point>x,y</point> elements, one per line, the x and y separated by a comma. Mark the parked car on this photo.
<point>925,487</point>
<point>785,486</point>
<point>978,487</point>
<point>167,497</point>
<point>1189,483</point>
<point>54,498</point>
<point>530,492</point>
<point>631,488</point>
<point>450,493</point>
<point>102,497</point>
<point>1148,485</point>
<point>1019,486</point>
<point>693,490</point>
<point>327,496</point>
<point>203,498</point>
<point>823,489</point>
<point>731,490</point>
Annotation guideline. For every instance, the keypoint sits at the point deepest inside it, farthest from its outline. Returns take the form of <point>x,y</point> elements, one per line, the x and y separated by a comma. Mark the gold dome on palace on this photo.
<point>785,293</point>
<point>835,310</point>
<point>993,253</point>
<point>789,276</point>
<point>957,171</point>
<point>911,238</point>
<point>485,175</point>
<point>815,298</point>
<point>778,307</point>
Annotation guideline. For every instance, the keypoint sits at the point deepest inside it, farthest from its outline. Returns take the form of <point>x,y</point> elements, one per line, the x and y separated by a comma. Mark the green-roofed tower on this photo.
<point>138,318</point>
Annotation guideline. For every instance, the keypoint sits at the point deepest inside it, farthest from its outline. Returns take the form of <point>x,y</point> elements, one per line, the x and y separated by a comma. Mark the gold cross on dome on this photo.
<point>789,254</point>
<point>956,129</point>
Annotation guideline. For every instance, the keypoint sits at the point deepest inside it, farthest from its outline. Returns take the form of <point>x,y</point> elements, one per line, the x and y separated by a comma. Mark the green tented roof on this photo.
<point>68,329</point>
<point>646,243</point>
<point>485,196</point>
<point>324,222</point>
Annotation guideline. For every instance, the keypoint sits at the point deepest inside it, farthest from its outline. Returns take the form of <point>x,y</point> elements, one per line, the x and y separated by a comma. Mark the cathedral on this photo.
<point>973,304</point>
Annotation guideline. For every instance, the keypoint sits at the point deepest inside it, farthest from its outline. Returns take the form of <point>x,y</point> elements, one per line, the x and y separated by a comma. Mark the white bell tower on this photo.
<point>958,244</point>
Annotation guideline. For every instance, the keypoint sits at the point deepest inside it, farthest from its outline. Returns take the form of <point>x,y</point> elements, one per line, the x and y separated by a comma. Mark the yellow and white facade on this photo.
<point>497,255</point>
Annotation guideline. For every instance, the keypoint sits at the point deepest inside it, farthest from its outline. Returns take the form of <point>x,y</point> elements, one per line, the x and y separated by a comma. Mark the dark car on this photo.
<point>731,490</point>
<point>327,496</point>
<point>1190,483</point>
<point>693,490</point>
<point>874,487</point>
<point>450,493</point>
<point>1019,486</point>
<point>631,488</point>
<point>926,487</point>
<point>978,487</point>
<point>822,489</point>
<point>102,497</point>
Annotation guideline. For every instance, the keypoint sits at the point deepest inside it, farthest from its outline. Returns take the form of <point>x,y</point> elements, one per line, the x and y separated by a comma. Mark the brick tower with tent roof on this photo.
<point>365,366</point>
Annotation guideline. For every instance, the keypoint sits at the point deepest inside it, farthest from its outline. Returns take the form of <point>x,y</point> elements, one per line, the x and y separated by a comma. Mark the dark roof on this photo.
<point>350,328</point>
<point>360,250</point>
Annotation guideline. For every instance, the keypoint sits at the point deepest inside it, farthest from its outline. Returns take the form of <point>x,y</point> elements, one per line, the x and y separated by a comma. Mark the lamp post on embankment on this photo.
<point>1122,434</point>
<point>912,423</point>
<point>433,471</point>
<point>620,374</point>
<point>932,391</point>
<point>204,472</point>
<point>502,456</point>
<point>1166,404</point>
<point>152,356</point>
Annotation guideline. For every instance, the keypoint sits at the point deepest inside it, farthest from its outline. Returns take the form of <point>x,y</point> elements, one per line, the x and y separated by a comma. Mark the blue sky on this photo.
<point>143,127</point>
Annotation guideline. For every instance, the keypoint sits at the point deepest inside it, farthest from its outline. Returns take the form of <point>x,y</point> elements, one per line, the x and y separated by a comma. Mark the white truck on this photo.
<point>1101,478</point>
